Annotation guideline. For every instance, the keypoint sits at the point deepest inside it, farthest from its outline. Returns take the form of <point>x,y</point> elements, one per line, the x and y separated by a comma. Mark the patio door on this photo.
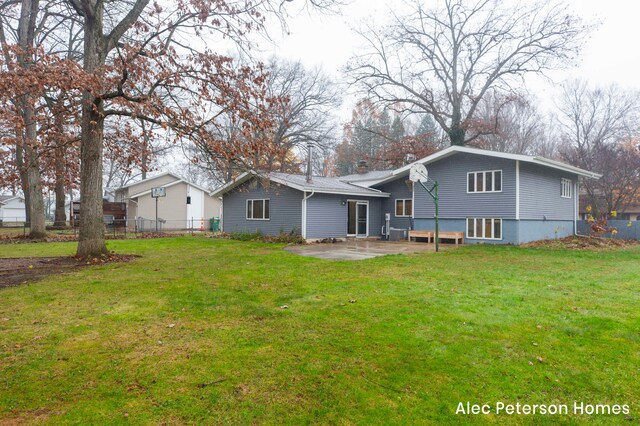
<point>357,218</point>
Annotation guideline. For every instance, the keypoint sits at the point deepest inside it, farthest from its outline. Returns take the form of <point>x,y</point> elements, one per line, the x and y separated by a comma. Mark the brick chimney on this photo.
<point>363,167</point>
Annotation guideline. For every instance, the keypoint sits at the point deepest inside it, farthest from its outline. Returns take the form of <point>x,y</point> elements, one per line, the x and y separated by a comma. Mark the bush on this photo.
<point>282,238</point>
<point>245,236</point>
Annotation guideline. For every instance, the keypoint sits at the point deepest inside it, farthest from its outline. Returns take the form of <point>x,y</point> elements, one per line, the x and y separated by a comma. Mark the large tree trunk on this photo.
<point>456,132</point>
<point>34,188</point>
<point>26,35</point>
<point>91,240</point>
<point>60,217</point>
<point>24,179</point>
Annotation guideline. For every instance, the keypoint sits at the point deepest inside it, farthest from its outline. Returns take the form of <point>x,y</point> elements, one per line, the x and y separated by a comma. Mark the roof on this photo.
<point>147,180</point>
<point>320,184</point>
<point>175,182</point>
<point>6,198</point>
<point>372,175</point>
<point>452,150</point>
<point>359,184</point>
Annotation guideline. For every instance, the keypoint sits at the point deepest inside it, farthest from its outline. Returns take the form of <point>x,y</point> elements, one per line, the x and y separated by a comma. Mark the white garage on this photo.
<point>12,209</point>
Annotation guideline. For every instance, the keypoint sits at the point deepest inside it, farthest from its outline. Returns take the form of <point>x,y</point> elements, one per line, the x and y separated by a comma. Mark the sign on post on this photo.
<point>156,193</point>
<point>160,191</point>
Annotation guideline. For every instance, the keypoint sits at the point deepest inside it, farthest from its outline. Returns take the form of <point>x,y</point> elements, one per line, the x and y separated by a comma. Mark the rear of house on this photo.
<point>490,197</point>
<point>281,203</point>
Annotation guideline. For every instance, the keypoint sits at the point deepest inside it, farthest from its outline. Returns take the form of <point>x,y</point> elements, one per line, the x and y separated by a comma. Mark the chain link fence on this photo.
<point>117,228</point>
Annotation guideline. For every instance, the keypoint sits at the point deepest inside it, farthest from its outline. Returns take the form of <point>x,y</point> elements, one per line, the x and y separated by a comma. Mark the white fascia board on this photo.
<point>231,184</point>
<point>565,167</point>
<point>148,191</point>
<point>146,180</point>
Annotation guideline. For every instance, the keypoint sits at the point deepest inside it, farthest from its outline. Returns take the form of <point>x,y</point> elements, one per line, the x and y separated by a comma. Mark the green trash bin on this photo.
<point>214,224</point>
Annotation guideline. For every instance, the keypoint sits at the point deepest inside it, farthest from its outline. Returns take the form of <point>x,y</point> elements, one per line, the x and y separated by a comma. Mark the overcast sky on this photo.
<point>610,55</point>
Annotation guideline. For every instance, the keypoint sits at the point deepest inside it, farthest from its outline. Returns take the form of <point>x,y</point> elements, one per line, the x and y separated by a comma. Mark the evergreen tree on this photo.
<point>427,127</point>
<point>397,130</point>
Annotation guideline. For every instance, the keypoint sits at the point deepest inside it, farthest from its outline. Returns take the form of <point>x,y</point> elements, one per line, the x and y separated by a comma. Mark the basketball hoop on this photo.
<point>418,173</point>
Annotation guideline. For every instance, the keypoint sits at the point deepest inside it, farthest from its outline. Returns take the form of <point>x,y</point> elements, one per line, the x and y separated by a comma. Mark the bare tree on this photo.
<point>443,61</point>
<point>148,67</point>
<point>512,124</point>
<point>306,116</point>
<point>600,129</point>
<point>303,112</point>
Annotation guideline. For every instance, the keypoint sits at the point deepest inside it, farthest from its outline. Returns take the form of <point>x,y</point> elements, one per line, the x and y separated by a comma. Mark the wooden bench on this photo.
<point>421,234</point>
<point>442,235</point>
<point>452,236</point>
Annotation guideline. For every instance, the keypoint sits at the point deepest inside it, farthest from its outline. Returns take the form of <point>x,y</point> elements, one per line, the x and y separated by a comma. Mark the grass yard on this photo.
<point>194,332</point>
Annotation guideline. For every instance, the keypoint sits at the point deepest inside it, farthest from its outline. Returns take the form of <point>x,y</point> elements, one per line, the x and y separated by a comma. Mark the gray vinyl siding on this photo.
<point>327,216</point>
<point>540,193</point>
<point>285,209</point>
<point>509,230</point>
<point>455,202</point>
<point>534,230</point>
<point>398,190</point>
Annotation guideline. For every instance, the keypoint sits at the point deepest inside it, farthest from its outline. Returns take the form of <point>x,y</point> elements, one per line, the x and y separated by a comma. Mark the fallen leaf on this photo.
<point>539,358</point>
<point>171,325</point>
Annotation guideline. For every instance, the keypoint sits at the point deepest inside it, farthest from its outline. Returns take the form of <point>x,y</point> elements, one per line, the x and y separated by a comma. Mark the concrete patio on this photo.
<point>355,249</point>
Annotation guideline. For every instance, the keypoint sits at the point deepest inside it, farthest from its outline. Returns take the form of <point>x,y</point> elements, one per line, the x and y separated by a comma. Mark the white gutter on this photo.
<point>304,213</point>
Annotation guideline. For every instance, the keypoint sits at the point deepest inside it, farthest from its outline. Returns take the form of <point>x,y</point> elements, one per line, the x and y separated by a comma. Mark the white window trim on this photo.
<point>566,184</point>
<point>404,201</point>
<point>483,228</point>
<point>246,208</point>
<point>493,181</point>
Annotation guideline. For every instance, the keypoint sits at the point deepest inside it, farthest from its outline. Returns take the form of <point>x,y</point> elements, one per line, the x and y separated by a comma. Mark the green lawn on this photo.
<point>480,324</point>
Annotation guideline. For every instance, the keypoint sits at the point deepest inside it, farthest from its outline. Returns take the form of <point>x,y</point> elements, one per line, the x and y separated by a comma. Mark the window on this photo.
<point>404,207</point>
<point>487,181</point>
<point>566,188</point>
<point>258,209</point>
<point>484,228</point>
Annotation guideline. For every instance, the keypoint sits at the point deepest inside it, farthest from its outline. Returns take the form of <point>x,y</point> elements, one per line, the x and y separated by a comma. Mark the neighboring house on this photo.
<point>12,209</point>
<point>185,205</point>
<point>492,197</point>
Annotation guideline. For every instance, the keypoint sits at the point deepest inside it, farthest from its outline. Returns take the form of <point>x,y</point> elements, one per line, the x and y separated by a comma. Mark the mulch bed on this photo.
<point>22,270</point>
<point>583,243</point>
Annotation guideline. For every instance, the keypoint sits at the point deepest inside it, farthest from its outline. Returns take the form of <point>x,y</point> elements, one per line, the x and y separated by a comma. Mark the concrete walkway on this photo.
<point>355,249</point>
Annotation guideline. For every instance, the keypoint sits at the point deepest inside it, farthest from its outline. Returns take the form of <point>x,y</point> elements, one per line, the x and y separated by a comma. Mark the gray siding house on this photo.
<point>492,197</point>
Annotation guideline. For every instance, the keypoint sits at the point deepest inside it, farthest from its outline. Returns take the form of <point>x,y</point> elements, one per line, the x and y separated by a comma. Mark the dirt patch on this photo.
<point>22,270</point>
<point>583,243</point>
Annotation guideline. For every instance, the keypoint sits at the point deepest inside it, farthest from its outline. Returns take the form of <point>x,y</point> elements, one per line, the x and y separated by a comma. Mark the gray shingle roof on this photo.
<point>322,184</point>
<point>6,197</point>
<point>372,175</point>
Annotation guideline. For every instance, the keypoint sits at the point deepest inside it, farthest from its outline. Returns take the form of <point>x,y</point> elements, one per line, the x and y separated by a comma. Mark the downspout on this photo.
<point>304,213</point>
<point>518,201</point>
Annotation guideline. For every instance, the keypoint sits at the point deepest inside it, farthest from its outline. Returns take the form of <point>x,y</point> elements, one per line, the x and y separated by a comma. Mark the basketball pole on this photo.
<point>433,192</point>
